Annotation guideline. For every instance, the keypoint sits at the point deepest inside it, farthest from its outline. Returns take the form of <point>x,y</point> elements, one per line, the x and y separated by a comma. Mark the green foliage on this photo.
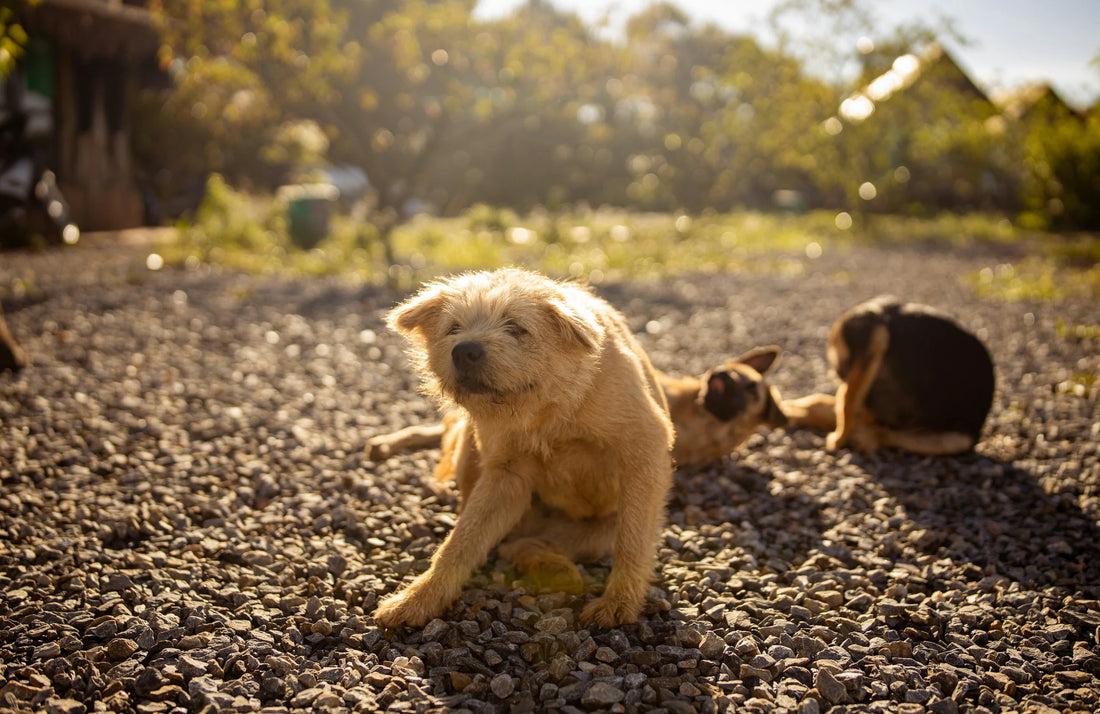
<point>1037,278</point>
<point>13,37</point>
<point>1061,181</point>
<point>537,109</point>
<point>238,231</point>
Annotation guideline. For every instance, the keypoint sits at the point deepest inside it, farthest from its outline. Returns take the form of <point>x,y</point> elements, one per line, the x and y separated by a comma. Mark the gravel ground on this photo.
<point>188,523</point>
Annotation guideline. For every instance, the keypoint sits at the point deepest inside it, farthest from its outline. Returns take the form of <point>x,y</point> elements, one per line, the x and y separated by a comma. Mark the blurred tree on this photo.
<point>13,38</point>
<point>537,108</point>
<point>545,96</point>
<point>396,85</point>
<point>1059,159</point>
<point>728,119</point>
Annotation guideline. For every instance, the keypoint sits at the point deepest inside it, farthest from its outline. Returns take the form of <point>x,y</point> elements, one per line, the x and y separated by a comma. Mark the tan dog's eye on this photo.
<point>454,328</point>
<point>514,328</point>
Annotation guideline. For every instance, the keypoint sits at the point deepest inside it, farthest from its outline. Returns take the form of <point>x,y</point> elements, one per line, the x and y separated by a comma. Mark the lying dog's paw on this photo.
<point>610,611</point>
<point>835,440</point>
<point>378,448</point>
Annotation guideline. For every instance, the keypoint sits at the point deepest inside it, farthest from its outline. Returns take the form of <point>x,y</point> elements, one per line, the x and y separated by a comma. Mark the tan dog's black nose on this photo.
<point>467,355</point>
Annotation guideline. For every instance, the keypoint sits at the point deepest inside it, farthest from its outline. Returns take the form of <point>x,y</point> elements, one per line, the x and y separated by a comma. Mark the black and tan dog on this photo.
<point>911,378</point>
<point>712,415</point>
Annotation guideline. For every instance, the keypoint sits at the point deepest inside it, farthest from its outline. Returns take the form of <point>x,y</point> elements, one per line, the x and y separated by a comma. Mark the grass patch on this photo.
<point>251,233</point>
<point>1081,384</point>
<point>1041,278</point>
<point>1077,333</point>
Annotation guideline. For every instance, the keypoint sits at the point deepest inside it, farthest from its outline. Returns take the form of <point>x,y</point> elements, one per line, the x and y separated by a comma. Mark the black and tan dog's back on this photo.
<point>911,378</point>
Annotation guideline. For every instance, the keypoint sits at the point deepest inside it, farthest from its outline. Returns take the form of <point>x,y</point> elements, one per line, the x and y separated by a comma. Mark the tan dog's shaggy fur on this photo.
<point>566,435</point>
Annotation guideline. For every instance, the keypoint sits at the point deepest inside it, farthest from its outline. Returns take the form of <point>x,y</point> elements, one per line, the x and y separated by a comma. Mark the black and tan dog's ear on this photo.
<point>422,311</point>
<point>761,358</point>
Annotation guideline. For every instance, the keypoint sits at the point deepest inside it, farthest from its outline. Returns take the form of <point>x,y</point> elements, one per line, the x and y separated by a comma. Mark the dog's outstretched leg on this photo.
<point>815,411</point>
<point>411,437</point>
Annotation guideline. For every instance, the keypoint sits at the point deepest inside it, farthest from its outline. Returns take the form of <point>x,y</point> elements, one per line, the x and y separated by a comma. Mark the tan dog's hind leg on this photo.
<point>815,411</point>
<point>853,391</point>
<point>546,567</point>
<point>942,443</point>
<point>493,509</point>
<point>550,545</point>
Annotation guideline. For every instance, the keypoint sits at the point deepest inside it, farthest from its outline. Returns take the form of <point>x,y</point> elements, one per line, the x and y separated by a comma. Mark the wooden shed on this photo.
<point>87,57</point>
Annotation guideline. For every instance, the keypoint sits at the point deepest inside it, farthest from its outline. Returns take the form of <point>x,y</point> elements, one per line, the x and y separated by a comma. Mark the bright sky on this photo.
<point>1013,42</point>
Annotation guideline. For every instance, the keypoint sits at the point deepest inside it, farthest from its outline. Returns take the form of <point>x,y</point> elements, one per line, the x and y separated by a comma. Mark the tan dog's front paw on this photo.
<point>611,611</point>
<point>412,606</point>
<point>835,440</point>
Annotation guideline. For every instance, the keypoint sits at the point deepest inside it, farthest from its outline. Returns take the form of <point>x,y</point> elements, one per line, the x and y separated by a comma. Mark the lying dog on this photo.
<point>911,379</point>
<point>712,415</point>
<point>565,435</point>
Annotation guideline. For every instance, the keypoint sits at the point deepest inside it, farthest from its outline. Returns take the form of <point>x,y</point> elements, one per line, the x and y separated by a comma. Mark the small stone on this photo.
<point>502,686</point>
<point>687,689</point>
<point>602,694</point>
<point>1074,677</point>
<point>337,564</point>
<point>104,630</point>
<point>190,666</point>
<point>606,654</point>
<point>64,706</point>
<point>22,691</point>
<point>167,693</point>
<point>833,690</point>
<point>117,582</point>
<point>551,624</point>
<point>712,646</point>
<point>307,697</point>
<point>191,642</point>
<point>121,648</point>
<point>459,680</point>
<point>434,630</point>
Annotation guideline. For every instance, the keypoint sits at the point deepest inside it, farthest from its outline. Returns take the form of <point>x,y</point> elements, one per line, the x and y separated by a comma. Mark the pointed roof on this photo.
<point>1034,100</point>
<point>907,70</point>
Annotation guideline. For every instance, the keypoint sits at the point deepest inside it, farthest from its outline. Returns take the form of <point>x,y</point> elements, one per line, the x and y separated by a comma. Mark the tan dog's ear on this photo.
<point>577,326</point>
<point>761,358</point>
<point>421,311</point>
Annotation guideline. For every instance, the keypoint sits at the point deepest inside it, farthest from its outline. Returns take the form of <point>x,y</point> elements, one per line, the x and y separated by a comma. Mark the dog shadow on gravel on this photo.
<point>994,517</point>
<point>734,505</point>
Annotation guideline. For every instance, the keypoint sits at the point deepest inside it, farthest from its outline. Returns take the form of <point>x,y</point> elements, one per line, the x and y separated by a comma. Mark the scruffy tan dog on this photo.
<point>712,415</point>
<point>569,432</point>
